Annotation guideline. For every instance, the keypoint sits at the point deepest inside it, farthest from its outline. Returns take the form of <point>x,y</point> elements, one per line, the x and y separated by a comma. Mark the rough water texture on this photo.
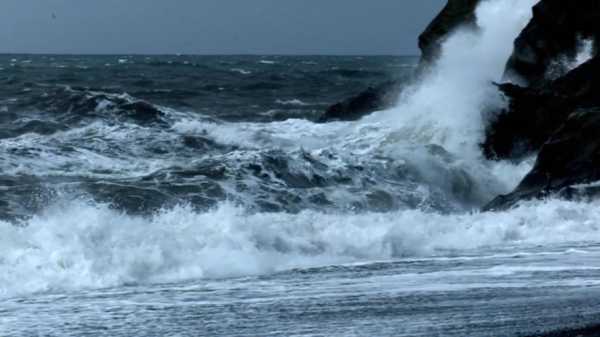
<point>196,196</point>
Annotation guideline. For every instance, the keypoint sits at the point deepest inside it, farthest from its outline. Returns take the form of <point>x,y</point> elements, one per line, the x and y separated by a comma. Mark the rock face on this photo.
<point>356,107</point>
<point>455,14</point>
<point>559,118</point>
<point>570,157</point>
<point>556,30</point>
<point>534,113</point>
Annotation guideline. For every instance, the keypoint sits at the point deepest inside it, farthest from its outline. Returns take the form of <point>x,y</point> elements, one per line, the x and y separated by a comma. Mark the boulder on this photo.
<point>362,104</point>
<point>534,113</point>
<point>556,31</point>
<point>568,161</point>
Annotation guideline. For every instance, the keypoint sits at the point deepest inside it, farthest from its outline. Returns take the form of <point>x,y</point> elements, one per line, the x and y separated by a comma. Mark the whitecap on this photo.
<point>78,245</point>
<point>294,101</point>
<point>241,71</point>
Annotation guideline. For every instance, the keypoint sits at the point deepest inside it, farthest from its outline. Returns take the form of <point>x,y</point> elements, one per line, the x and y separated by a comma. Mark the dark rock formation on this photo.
<point>455,14</point>
<point>535,113</point>
<point>561,120</point>
<point>528,122</point>
<point>571,157</point>
<point>366,102</point>
<point>555,31</point>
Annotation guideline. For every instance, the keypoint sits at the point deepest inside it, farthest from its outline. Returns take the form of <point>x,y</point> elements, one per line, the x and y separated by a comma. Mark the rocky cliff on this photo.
<point>557,119</point>
<point>553,89</point>
<point>456,13</point>
<point>556,32</point>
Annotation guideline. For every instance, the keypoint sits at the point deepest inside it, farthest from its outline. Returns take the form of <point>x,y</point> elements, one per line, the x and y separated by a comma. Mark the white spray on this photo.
<point>563,64</point>
<point>445,108</point>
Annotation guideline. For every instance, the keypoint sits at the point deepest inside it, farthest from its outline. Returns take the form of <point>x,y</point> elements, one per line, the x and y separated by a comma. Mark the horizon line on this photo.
<point>206,54</point>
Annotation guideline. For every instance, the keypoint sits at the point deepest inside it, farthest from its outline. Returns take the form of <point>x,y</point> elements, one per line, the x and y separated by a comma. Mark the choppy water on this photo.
<point>195,196</point>
<point>143,133</point>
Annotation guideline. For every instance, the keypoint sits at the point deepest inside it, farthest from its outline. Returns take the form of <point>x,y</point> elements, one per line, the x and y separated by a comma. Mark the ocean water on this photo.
<point>196,196</point>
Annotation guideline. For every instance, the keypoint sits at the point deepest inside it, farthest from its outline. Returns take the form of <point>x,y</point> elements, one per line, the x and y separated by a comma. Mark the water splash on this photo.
<point>445,107</point>
<point>564,64</point>
<point>77,245</point>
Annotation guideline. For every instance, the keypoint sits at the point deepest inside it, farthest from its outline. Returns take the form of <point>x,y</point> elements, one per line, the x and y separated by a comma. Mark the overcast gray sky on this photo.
<point>214,26</point>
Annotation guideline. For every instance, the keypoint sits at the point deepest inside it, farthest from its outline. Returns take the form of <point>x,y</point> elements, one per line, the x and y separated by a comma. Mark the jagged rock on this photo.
<point>568,160</point>
<point>366,102</point>
<point>560,118</point>
<point>455,14</point>
<point>535,113</point>
<point>556,30</point>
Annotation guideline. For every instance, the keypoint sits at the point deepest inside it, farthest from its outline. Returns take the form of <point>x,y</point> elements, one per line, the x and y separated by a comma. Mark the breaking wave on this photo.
<point>75,245</point>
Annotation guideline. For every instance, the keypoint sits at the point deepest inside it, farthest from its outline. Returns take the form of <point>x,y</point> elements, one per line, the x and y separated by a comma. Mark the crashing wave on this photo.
<point>77,245</point>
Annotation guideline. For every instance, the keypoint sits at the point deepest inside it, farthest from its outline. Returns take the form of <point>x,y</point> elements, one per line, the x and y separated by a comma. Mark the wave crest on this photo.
<point>75,245</point>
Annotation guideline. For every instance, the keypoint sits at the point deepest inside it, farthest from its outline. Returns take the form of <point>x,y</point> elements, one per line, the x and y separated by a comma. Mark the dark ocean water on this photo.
<point>118,129</point>
<point>195,196</point>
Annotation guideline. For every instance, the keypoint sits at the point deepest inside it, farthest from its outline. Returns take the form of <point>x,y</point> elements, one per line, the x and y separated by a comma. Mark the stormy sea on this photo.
<point>200,196</point>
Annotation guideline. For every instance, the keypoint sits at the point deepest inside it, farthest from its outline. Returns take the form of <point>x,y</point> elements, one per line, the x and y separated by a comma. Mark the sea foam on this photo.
<point>77,245</point>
